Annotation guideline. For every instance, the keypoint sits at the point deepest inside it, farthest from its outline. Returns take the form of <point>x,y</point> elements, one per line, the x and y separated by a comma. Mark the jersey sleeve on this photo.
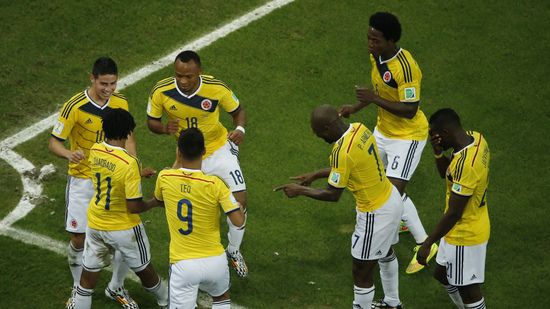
<point>65,122</point>
<point>158,190</point>
<point>229,102</point>
<point>154,106</point>
<point>340,169</point>
<point>408,81</point>
<point>464,180</point>
<point>225,198</point>
<point>133,181</point>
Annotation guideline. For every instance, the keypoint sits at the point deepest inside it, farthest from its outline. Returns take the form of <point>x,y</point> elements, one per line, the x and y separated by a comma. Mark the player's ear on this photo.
<point>92,78</point>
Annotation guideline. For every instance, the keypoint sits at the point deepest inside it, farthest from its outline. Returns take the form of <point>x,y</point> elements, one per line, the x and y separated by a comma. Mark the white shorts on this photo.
<point>100,245</point>
<point>78,193</point>
<point>224,163</point>
<point>400,157</point>
<point>376,231</point>
<point>210,274</point>
<point>465,264</point>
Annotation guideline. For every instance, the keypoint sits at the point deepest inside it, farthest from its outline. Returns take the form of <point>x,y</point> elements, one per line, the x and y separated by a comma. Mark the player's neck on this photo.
<point>191,165</point>
<point>116,142</point>
<point>462,140</point>
<point>390,53</point>
<point>97,100</point>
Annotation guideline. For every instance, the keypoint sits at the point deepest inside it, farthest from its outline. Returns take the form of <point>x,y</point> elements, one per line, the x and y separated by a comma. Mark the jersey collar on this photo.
<point>94,103</point>
<point>388,60</point>
<point>191,95</point>
<point>112,146</point>
<point>346,133</point>
<point>469,145</point>
<point>189,170</point>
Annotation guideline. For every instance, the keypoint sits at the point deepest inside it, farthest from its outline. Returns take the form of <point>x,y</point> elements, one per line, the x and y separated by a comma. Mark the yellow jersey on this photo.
<point>468,175</point>
<point>198,110</point>
<point>192,203</point>
<point>356,165</point>
<point>398,79</point>
<point>80,120</point>
<point>116,177</point>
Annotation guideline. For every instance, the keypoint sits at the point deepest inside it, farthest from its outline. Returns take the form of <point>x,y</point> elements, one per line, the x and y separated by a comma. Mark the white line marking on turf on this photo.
<point>32,188</point>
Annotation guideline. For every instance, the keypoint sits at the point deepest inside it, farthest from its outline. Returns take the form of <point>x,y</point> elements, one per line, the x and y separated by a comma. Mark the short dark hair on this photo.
<point>118,123</point>
<point>445,117</point>
<point>104,66</point>
<point>388,24</point>
<point>188,55</point>
<point>191,143</point>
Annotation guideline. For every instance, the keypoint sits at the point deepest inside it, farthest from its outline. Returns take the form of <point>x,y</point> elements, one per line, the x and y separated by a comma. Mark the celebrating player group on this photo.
<point>104,196</point>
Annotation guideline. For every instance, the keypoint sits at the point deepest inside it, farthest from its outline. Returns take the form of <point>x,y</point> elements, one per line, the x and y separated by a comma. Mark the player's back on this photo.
<point>116,178</point>
<point>356,156</point>
<point>192,203</point>
<point>468,175</point>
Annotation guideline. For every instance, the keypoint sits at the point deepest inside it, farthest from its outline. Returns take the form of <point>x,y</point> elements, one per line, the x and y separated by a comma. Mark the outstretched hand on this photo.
<point>291,190</point>
<point>147,172</point>
<point>304,179</point>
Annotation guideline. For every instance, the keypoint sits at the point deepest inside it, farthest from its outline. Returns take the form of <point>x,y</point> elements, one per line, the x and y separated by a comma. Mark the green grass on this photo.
<point>484,60</point>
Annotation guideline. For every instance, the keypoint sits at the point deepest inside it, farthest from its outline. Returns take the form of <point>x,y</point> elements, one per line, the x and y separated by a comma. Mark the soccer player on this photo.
<point>463,231</point>
<point>355,165</point>
<point>80,121</point>
<point>192,203</point>
<point>401,128</point>
<point>113,220</point>
<point>193,100</point>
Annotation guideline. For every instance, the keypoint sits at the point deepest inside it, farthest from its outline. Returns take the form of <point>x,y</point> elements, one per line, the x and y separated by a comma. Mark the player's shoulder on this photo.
<point>75,101</point>
<point>214,83</point>
<point>117,96</point>
<point>163,84</point>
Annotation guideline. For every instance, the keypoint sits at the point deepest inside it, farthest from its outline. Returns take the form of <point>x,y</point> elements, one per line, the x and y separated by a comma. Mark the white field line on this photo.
<point>32,187</point>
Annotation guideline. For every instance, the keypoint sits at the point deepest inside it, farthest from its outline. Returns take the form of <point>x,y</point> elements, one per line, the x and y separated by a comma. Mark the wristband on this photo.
<point>240,129</point>
<point>438,156</point>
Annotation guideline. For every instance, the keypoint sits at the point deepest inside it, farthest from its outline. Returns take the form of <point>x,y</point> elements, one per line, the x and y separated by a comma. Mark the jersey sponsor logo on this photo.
<point>58,128</point>
<point>89,121</point>
<point>335,177</point>
<point>206,104</point>
<point>173,108</point>
<point>457,187</point>
<point>387,76</point>
<point>410,93</point>
<point>473,277</point>
<point>379,252</point>
<point>73,223</point>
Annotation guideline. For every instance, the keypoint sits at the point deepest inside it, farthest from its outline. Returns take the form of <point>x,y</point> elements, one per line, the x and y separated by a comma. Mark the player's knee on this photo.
<point>77,240</point>
<point>224,296</point>
<point>362,273</point>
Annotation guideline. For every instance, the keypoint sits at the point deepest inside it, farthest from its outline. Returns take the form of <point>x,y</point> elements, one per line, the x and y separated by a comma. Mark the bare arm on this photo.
<point>441,161</point>
<point>139,206</point>
<point>58,148</point>
<point>307,179</point>
<point>239,120</point>
<point>130,145</point>
<point>457,203</point>
<point>155,125</point>
<point>329,194</point>
<point>366,96</point>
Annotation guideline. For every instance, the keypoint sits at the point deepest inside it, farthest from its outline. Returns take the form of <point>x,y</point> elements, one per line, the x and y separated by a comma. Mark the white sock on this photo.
<point>74,256</point>
<point>389,276</point>
<point>455,296</point>
<point>160,290</point>
<point>120,270</point>
<point>411,219</point>
<point>362,297</point>
<point>222,304</point>
<point>477,305</point>
<point>83,298</point>
<point>235,235</point>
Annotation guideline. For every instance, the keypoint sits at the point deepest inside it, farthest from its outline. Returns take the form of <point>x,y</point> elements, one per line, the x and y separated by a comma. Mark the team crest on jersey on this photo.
<point>206,104</point>
<point>73,223</point>
<point>387,76</point>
